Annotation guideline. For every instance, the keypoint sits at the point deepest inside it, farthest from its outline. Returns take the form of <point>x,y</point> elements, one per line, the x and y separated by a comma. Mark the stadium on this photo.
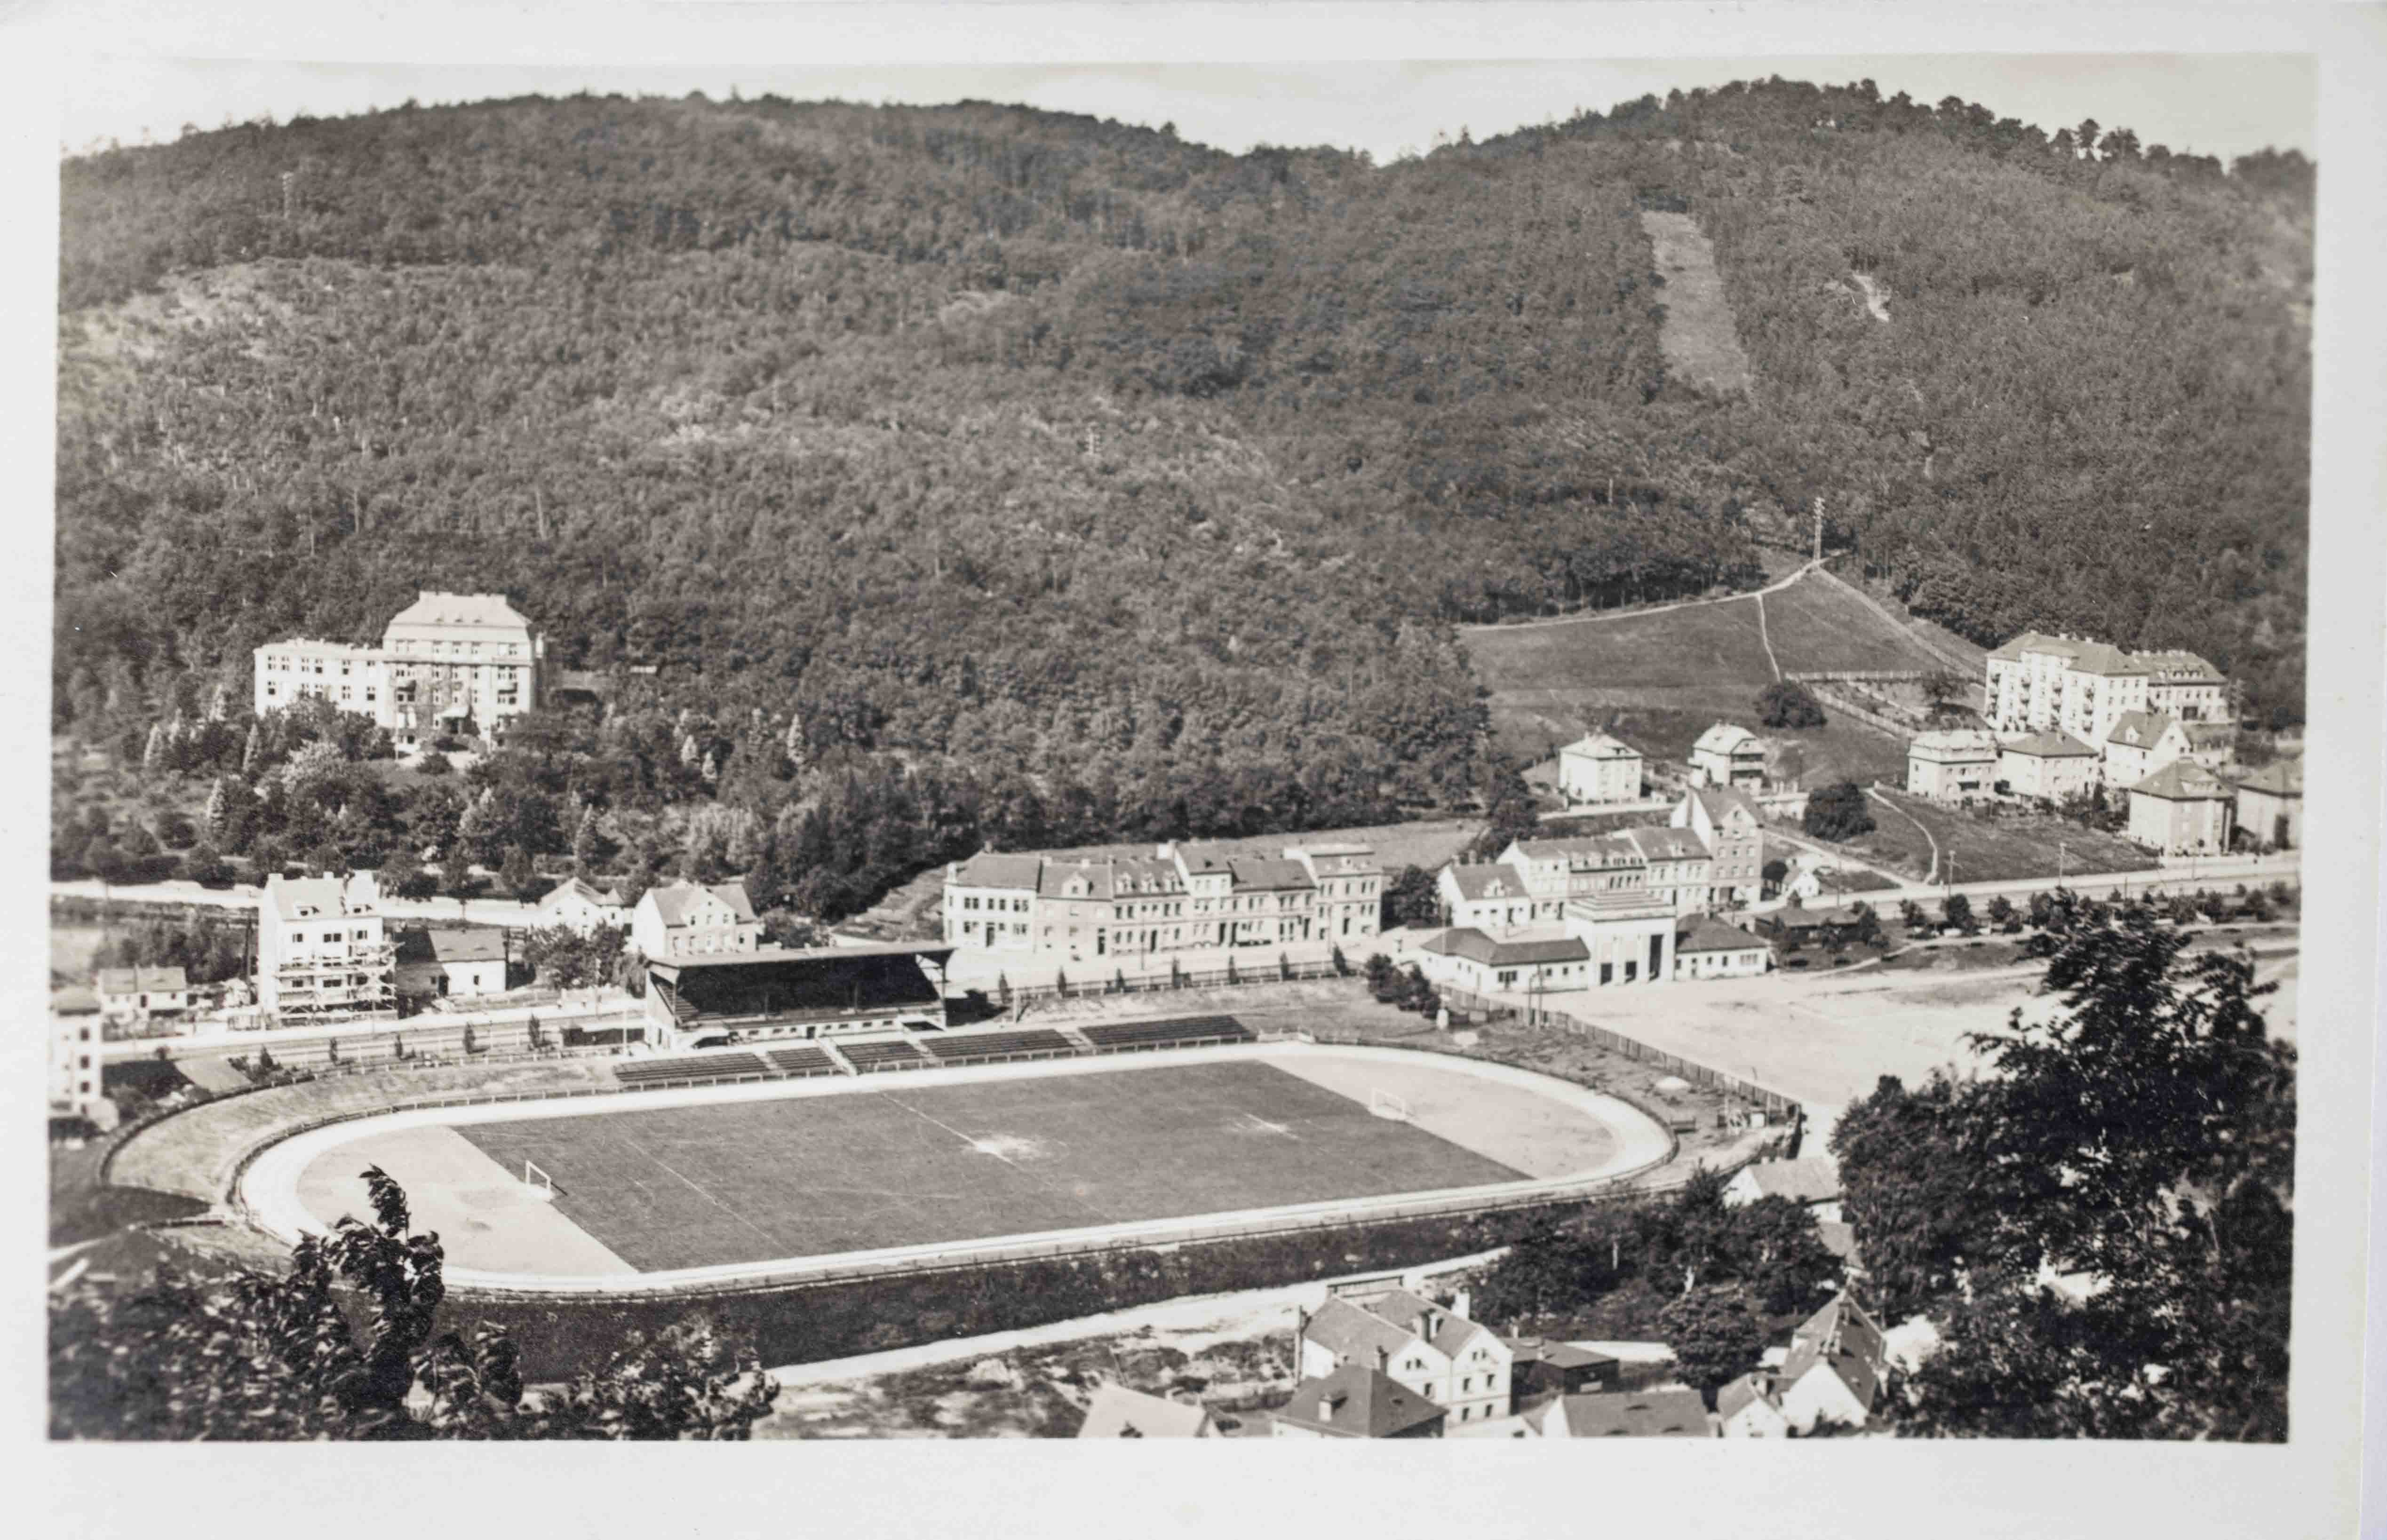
<point>730,1168</point>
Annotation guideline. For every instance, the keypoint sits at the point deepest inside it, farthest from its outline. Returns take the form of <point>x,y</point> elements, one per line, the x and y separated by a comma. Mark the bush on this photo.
<point>1838,812</point>
<point>1785,704</point>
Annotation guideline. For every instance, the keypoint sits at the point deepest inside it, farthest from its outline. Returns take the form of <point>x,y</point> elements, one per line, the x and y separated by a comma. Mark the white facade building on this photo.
<point>684,919</point>
<point>322,947</point>
<point>1728,755</point>
<point>1598,768</point>
<point>2038,683</point>
<point>446,663</point>
<point>75,1089</point>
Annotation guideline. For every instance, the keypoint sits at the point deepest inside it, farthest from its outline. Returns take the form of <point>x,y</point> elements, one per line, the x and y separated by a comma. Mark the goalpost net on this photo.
<point>1383,1103</point>
<point>541,1184</point>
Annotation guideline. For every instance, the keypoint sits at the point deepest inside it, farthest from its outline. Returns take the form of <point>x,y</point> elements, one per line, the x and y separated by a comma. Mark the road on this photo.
<point>1594,616</point>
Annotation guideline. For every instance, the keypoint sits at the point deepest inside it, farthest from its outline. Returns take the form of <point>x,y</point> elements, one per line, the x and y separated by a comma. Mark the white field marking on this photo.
<point>1261,1125</point>
<point>998,1155</point>
<point>699,1191</point>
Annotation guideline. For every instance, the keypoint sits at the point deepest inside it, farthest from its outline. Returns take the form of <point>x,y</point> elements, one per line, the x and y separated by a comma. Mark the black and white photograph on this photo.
<point>818,746</point>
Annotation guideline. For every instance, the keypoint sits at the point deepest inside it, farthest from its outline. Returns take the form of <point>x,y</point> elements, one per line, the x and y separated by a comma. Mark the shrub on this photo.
<point>1786,704</point>
<point>1838,812</point>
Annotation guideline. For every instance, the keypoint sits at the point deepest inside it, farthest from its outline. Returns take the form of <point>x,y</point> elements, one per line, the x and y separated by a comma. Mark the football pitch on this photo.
<point>917,1163</point>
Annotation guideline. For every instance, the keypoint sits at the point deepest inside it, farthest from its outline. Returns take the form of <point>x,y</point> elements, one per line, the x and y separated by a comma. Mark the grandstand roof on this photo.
<point>820,983</point>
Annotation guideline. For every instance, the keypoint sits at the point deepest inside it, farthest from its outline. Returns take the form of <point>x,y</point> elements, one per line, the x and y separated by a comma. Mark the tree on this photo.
<point>1786,703</point>
<point>1941,687</point>
<point>401,876</point>
<point>1868,924</point>
<point>1910,915</point>
<point>1715,1337</point>
<point>584,845</point>
<point>206,864</point>
<point>434,764</point>
<point>517,874</point>
<point>247,1356</point>
<point>2143,1135</point>
<point>1837,812</point>
<point>219,811</point>
<point>1907,1161</point>
<point>2002,913</point>
<point>1957,910</point>
<point>1411,898</point>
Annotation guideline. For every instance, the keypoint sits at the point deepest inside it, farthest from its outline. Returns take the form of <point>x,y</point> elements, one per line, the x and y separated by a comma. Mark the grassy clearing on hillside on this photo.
<point>1818,627</point>
<point>1702,346</point>
<point>1986,851</point>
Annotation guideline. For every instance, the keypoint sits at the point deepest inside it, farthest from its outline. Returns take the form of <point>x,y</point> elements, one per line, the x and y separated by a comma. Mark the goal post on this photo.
<point>537,1182</point>
<point>1383,1103</point>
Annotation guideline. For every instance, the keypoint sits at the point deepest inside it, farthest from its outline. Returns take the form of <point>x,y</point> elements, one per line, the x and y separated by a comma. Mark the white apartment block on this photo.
<point>323,949</point>
<point>1181,897</point>
<point>1598,768</point>
<point>2063,684</point>
<point>75,1036</point>
<point>446,661</point>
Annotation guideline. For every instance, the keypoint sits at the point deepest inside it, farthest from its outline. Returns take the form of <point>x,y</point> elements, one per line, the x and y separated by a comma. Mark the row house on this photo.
<point>445,661</point>
<point>1179,898</point>
<point>2038,683</point>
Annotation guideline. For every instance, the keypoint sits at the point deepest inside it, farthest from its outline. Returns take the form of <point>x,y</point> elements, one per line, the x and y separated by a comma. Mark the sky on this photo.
<point>2224,105</point>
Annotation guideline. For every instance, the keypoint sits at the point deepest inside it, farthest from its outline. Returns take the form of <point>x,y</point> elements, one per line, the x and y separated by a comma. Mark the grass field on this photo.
<point>1701,346</point>
<point>913,1163</point>
<point>1817,627</point>
<point>1992,850</point>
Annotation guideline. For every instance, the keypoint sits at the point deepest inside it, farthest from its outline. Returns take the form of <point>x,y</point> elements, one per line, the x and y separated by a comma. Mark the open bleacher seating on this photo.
<point>797,1063</point>
<point>1113,1036</point>
<point>977,1047</point>
<point>699,1066</point>
<point>888,1053</point>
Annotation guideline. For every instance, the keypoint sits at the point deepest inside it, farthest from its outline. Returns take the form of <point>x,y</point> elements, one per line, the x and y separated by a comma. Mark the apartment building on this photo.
<point>1179,898</point>
<point>322,948</point>
<point>1598,768</point>
<point>75,1035</point>
<point>459,663</point>
<point>688,919</point>
<point>2038,683</point>
<point>1952,766</point>
<point>1727,822</point>
<point>1728,755</point>
<point>1433,1350</point>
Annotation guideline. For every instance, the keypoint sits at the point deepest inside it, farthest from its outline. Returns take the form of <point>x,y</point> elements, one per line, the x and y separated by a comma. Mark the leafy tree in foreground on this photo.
<point>1715,1337</point>
<point>257,1357</point>
<point>2143,1140</point>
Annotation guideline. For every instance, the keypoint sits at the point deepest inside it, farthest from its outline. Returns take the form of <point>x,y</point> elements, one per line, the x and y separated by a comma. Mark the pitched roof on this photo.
<point>1422,1318</point>
<point>1668,844</point>
<point>73,1000</point>
<point>1720,802</point>
<point>2034,641</point>
<point>989,869</point>
<point>1360,1401</point>
<point>674,901</point>
<point>309,898</point>
<point>1739,1393</point>
<point>1084,880</point>
<point>1812,1179</point>
<point>1118,1412</point>
<point>2138,729</point>
<point>1839,1236</point>
<point>452,945</point>
<point>2211,735</point>
<point>2104,658</point>
<point>1478,880</point>
<point>2049,746</point>
<point>574,887</point>
<point>1796,917</point>
<point>1205,857</point>
<point>1600,746</point>
<point>1267,872</point>
<point>1637,1414</point>
<point>1583,851</point>
<point>2183,781</point>
<point>478,612</point>
<point>2285,778</point>
<point>134,981</point>
<point>1348,1332</point>
<point>2180,667</point>
<point>1565,1355</point>
<point>1956,740</point>
<point>1843,1339</point>
<point>1476,947</point>
<point>1706,933</point>
<point>1725,737</point>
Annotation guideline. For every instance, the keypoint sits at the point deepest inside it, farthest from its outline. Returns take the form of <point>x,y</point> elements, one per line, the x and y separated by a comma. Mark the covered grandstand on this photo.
<point>817,992</point>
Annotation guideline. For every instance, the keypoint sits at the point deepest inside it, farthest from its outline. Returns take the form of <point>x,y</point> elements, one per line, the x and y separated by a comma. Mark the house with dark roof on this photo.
<point>1623,1414</point>
<point>1708,948</point>
<point>1809,926</point>
<point>1118,1412</point>
<point>2054,765</point>
<point>1810,1181</point>
<point>2183,809</point>
<point>139,994</point>
<point>1834,1367</point>
<point>1356,1401</point>
<point>447,961</point>
<point>688,919</point>
<point>1525,961</point>
<point>1429,1348</point>
<point>1540,1367</point>
<point>2271,804</point>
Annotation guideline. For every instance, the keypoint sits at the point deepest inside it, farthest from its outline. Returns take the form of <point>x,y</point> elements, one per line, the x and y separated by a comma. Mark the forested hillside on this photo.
<point>1095,468</point>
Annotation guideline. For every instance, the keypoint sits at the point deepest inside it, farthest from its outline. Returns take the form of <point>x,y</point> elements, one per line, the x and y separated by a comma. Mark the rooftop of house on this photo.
<point>1118,1412</point>
<point>2140,729</point>
<point>1523,951</point>
<point>1360,1401</point>
<point>1725,738</point>
<point>1262,873</point>
<point>991,869</point>
<point>1667,844</point>
<point>1421,1319</point>
<point>1637,1414</point>
<point>2285,778</point>
<point>677,901</point>
<point>2183,781</point>
<point>2049,746</point>
<point>1740,1393</point>
<point>573,887</point>
<point>1967,741</point>
<point>451,945</point>
<point>1842,1338</point>
<point>310,898</point>
<point>73,1000</point>
<point>2211,735</point>
<point>1721,802</point>
<point>1812,1179</point>
<point>1560,1355</point>
<point>471,612</point>
<point>1706,933</point>
<point>1600,746</point>
<point>1484,880</point>
<point>139,980</point>
<point>1583,851</point>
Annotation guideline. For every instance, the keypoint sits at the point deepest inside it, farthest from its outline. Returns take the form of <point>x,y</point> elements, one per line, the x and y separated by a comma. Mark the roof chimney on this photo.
<point>1462,1305</point>
<point>1383,1359</point>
